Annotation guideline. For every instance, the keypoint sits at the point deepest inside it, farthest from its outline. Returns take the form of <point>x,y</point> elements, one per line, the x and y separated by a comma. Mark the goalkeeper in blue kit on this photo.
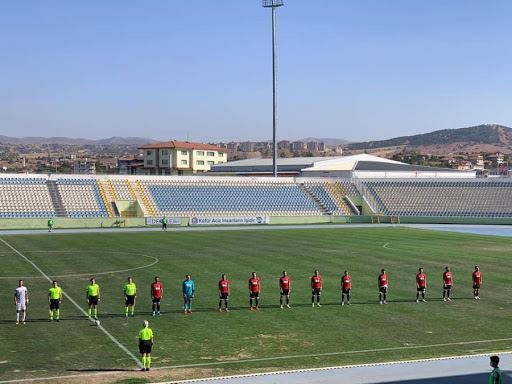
<point>188,288</point>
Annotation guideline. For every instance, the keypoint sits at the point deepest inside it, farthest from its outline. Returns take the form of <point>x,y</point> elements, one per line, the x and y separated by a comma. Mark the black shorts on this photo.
<point>224,296</point>
<point>345,291</point>
<point>156,300</point>
<point>93,300</point>
<point>447,286</point>
<point>54,303</point>
<point>383,289</point>
<point>421,289</point>
<point>317,292</point>
<point>145,346</point>
<point>130,300</point>
<point>285,292</point>
<point>476,286</point>
<point>254,295</point>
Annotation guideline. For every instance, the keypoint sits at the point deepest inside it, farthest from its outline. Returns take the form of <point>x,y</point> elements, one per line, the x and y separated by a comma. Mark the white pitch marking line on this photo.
<point>156,260</point>
<point>386,246</point>
<point>335,353</point>
<point>128,352</point>
<point>333,368</point>
<point>268,373</point>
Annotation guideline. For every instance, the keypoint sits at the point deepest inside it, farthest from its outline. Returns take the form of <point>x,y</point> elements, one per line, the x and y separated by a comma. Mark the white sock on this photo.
<point>17,316</point>
<point>24,315</point>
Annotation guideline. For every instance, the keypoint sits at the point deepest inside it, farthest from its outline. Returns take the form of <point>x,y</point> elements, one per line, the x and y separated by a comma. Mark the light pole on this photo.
<point>273,4</point>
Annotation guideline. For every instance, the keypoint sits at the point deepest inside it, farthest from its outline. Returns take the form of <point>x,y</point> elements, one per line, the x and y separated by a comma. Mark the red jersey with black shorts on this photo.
<point>254,287</point>
<point>346,283</point>
<point>284,284</point>
<point>383,282</point>
<point>421,281</point>
<point>223,289</point>
<point>447,279</point>
<point>477,279</point>
<point>316,284</point>
<point>157,290</point>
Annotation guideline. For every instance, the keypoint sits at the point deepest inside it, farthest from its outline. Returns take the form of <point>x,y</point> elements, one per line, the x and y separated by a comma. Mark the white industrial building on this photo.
<point>361,166</point>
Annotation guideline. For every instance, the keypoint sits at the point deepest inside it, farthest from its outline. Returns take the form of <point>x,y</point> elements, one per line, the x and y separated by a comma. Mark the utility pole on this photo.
<point>273,4</point>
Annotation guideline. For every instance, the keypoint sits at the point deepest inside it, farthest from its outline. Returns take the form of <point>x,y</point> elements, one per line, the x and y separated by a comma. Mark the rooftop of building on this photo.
<point>361,162</point>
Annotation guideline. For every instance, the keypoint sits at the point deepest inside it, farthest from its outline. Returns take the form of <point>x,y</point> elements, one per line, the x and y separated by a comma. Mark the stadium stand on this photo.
<point>97,196</point>
<point>81,197</point>
<point>327,197</point>
<point>142,195</point>
<point>442,198</point>
<point>220,197</point>
<point>122,189</point>
<point>23,196</point>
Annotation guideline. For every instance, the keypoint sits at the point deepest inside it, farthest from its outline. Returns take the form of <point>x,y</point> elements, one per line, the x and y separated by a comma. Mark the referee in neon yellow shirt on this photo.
<point>130,295</point>
<point>54,300</point>
<point>93,298</point>
<point>145,344</point>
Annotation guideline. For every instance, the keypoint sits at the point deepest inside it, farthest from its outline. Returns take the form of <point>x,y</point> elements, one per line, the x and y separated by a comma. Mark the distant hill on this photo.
<point>488,135</point>
<point>125,140</point>
<point>75,141</point>
<point>326,141</point>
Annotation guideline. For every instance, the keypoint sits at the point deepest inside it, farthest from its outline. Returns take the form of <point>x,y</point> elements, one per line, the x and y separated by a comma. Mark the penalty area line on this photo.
<point>284,372</point>
<point>305,370</point>
<point>155,261</point>
<point>107,333</point>
<point>361,351</point>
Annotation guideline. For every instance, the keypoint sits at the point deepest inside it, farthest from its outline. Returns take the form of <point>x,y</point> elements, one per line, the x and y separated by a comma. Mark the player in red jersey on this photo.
<point>224,292</point>
<point>421,285</point>
<point>477,282</point>
<point>157,292</point>
<point>447,284</point>
<point>383,286</point>
<point>254,292</point>
<point>284,288</point>
<point>316,288</point>
<point>346,286</point>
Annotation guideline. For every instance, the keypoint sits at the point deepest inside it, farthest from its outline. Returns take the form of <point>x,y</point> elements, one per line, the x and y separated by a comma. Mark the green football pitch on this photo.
<point>210,343</point>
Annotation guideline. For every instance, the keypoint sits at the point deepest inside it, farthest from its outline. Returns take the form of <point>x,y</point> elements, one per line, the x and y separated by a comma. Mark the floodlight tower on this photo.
<point>273,4</point>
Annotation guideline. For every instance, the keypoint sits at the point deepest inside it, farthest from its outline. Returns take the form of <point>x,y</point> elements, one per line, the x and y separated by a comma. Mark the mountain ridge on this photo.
<point>75,141</point>
<point>485,134</point>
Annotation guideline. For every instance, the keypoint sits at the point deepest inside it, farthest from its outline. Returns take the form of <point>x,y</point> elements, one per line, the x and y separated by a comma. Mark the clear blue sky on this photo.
<point>353,69</point>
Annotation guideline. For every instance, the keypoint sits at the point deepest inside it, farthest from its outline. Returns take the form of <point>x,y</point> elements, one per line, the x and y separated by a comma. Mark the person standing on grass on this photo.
<point>224,292</point>
<point>93,298</point>
<point>254,292</point>
<point>21,301</point>
<point>316,288</point>
<point>383,283</point>
<point>50,224</point>
<point>130,295</point>
<point>496,376</point>
<point>146,341</point>
<point>54,300</point>
<point>157,292</point>
<point>188,289</point>
<point>477,282</point>
<point>346,286</point>
<point>165,220</point>
<point>285,286</point>
<point>447,284</point>
<point>421,285</point>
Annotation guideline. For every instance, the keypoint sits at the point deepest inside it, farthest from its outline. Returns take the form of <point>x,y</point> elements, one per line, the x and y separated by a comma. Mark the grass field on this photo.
<point>211,343</point>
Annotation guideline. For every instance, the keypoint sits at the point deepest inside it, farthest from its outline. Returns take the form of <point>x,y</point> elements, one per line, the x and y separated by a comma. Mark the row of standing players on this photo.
<point>188,289</point>
<point>146,334</point>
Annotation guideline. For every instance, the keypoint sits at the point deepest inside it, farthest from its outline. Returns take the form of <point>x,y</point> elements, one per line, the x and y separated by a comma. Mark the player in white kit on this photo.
<point>21,301</point>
